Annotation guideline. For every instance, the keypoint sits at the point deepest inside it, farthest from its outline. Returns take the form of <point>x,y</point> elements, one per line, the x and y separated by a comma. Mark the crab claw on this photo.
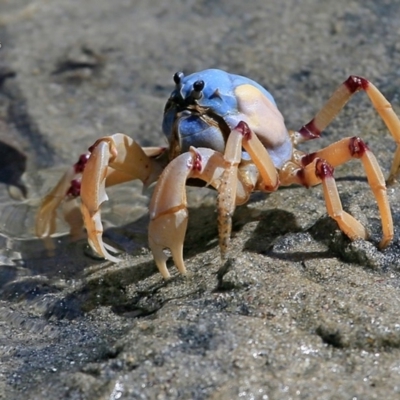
<point>114,159</point>
<point>93,194</point>
<point>168,206</point>
<point>168,231</point>
<point>168,212</point>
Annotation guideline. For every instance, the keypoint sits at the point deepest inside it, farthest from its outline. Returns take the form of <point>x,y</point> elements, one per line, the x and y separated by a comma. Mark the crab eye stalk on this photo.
<point>198,87</point>
<point>178,77</point>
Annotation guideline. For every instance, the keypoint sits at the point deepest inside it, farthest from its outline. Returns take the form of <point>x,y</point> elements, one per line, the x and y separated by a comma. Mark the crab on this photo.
<point>225,131</point>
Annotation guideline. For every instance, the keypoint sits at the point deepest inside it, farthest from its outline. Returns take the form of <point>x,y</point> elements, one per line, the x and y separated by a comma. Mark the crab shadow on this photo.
<point>278,235</point>
<point>68,282</point>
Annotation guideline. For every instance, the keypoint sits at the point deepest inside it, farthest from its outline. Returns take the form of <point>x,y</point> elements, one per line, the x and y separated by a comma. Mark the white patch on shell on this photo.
<point>265,120</point>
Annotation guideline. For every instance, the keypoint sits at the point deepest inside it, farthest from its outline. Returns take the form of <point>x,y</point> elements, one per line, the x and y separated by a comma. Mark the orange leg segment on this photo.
<point>341,152</point>
<point>339,99</point>
<point>319,171</point>
<point>227,195</point>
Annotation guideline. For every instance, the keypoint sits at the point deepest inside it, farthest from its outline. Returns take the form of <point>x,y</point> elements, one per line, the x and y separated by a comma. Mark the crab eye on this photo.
<point>198,86</point>
<point>178,77</point>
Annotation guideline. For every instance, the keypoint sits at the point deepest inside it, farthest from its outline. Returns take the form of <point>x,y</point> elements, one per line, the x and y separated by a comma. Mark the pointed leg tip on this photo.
<point>113,259</point>
<point>162,268</point>
<point>385,242</point>
<point>168,232</point>
<point>159,257</point>
<point>177,256</point>
<point>100,248</point>
<point>181,267</point>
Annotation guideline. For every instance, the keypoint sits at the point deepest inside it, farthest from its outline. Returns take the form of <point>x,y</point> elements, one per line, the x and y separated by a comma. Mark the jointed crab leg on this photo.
<point>314,168</point>
<point>226,200</point>
<point>344,150</point>
<point>324,171</point>
<point>339,99</point>
<point>67,185</point>
<point>240,137</point>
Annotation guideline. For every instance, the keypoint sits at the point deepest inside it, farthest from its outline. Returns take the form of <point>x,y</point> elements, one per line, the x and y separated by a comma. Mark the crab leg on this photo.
<point>339,99</point>
<point>241,136</point>
<point>319,171</point>
<point>344,150</point>
<point>69,184</point>
<point>315,168</point>
<point>347,223</point>
<point>226,200</point>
